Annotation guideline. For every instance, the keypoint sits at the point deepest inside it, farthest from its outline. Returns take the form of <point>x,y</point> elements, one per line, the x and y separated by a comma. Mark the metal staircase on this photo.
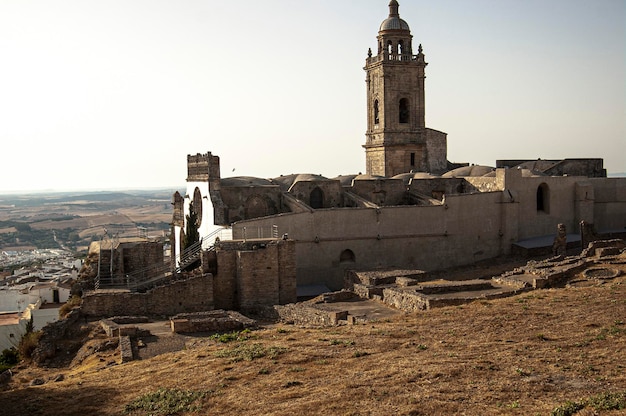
<point>152,275</point>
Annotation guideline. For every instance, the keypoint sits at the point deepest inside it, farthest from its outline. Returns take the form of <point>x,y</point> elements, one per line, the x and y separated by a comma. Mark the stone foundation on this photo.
<point>212,321</point>
<point>191,295</point>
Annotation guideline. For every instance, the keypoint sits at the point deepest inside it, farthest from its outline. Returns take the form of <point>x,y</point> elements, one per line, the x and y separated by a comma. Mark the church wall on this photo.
<point>559,205</point>
<point>610,204</point>
<point>427,238</point>
<point>437,145</point>
<point>248,202</point>
<point>207,225</point>
<point>332,192</point>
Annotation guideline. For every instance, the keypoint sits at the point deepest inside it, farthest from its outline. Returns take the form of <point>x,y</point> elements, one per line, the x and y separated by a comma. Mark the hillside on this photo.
<point>72,220</point>
<point>522,355</point>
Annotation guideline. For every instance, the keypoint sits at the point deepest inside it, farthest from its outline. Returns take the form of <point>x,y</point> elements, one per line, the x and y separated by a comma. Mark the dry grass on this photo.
<point>523,355</point>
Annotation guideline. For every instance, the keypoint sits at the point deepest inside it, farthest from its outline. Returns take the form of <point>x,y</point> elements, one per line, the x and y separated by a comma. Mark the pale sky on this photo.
<point>115,93</point>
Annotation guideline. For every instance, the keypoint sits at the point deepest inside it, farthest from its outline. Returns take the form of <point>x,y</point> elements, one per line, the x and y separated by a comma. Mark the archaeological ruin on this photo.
<point>247,243</point>
<point>412,208</point>
<point>316,251</point>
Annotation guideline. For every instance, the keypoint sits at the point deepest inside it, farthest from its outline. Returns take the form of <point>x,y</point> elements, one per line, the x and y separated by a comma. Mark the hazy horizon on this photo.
<point>111,95</point>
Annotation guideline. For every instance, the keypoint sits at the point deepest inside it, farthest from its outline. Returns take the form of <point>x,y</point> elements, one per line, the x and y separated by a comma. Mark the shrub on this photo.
<point>28,343</point>
<point>232,336</point>
<point>602,402</point>
<point>8,359</point>
<point>67,307</point>
<point>167,402</point>
<point>250,352</point>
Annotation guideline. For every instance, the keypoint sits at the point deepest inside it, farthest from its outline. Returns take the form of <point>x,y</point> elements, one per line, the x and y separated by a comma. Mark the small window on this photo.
<point>543,198</point>
<point>389,47</point>
<point>376,112</point>
<point>404,111</point>
<point>412,159</point>
<point>347,256</point>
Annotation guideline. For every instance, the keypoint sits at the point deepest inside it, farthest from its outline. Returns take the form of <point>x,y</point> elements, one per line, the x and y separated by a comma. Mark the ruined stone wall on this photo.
<point>257,277</point>
<point>198,167</point>
<point>593,168</point>
<point>609,209</point>
<point>302,314</point>
<point>192,295</point>
<point>138,256</point>
<point>287,272</point>
<point>405,301</point>
<point>178,217</point>
<point>224,281</point>
<point>254,273</point>
<point>482,184</point>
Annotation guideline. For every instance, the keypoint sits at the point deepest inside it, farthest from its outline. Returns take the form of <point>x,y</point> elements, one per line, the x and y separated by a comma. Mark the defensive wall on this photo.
<point>464,229</point>
<point>234,275</point>
<point>194,294</point>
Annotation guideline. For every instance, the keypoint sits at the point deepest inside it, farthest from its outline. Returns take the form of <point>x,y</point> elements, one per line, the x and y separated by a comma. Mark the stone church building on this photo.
<point>412,208</point>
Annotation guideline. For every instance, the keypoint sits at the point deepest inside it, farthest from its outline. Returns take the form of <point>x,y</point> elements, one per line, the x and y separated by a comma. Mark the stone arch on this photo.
<point>256,207</point>
<point>316,199</point>
<point>197,204</point>
<point>347,256</point>
<point>543,198</point>
<point>181,242</point>
<point>404,111</point>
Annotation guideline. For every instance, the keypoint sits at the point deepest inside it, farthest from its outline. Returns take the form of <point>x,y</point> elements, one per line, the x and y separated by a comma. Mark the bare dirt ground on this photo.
<point>523,355</point>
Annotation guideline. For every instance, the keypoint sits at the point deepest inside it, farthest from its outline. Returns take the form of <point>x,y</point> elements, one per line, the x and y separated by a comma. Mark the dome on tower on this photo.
<point>393,22</point>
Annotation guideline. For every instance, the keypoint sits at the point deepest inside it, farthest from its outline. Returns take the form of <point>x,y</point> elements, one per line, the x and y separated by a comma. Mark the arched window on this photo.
<point>543,198</point>
<point>389,47</point>
<point>404,111</point>
<point>181,242</point>
<point>376,112</point>
<point>317,198</point>
<point>347,256</point>
<point>197,205</point>
<point>400,47</point>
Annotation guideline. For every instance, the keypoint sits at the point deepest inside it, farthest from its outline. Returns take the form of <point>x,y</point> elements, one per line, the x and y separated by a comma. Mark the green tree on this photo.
<point>191,228</point>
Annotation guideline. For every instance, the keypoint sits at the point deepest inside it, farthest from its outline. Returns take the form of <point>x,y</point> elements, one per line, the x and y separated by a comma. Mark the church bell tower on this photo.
<point>397,140</point>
